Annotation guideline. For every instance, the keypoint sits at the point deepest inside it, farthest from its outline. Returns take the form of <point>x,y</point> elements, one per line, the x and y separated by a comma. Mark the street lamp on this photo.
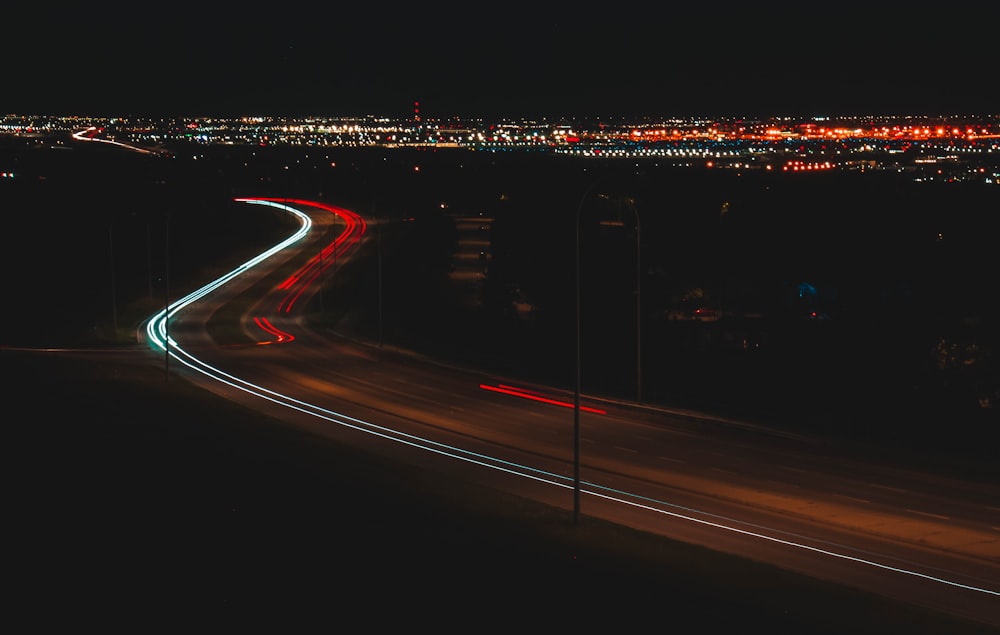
<point>576,391</point>
<point>638,342</point>
<point>114,294</point>
<point>166,298</point>
<point>322,307</point>
<point>378,233</point>
<point>638,305</point>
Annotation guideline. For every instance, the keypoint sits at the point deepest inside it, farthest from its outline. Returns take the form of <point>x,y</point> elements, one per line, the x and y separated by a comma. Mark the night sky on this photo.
<point>500,60</point>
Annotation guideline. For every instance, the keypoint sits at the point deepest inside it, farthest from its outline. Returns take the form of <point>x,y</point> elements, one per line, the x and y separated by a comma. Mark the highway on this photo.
<point>797,503</point>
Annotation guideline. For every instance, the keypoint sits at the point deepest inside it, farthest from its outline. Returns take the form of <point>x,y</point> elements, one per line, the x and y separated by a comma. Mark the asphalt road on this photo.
<point>920,537</point>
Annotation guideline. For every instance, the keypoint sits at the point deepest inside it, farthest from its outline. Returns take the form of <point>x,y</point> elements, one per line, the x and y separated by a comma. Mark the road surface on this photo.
<point>795,502</point>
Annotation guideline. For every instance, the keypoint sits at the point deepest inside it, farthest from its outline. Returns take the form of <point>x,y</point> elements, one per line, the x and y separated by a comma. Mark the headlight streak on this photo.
<point>82,136</point>
<point>843,556</point>
<point>156,329</point>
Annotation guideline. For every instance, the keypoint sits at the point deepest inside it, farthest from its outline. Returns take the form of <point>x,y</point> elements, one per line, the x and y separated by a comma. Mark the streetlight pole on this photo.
<point>114,293</point>
<point>576,391</point>
<point>166,299</point>
<point>378,238</point>
<point>638,309</point>
<point>322,309</point>
<point>149,259</point>
<point>638,342</point>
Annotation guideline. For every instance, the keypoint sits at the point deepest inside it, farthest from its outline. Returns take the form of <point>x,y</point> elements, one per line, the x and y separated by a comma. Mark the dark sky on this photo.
<point>508,59</point>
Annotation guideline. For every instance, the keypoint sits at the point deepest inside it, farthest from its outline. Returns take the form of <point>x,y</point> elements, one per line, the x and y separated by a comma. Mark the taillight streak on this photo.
<point>297,283</point>
<point>507,390</point>
<point>158,337</point>
<point>281,336</point>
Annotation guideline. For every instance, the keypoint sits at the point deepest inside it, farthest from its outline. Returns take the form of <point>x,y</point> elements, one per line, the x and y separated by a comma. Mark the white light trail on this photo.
<point>156,330</point>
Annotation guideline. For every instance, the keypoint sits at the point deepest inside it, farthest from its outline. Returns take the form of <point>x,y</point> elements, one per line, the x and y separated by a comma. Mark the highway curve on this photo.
<point>800,504</point>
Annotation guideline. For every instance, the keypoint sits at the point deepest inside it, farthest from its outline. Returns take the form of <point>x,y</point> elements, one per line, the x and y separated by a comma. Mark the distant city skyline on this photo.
<point>947,149</point>
<point>527,61</point>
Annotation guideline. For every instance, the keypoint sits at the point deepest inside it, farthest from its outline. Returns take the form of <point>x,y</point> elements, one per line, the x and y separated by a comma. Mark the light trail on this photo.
<point>87,134</point>
<point>156,330</point>
<point>534,396</point>
<point>156,326</point>
<point>297,283</point>
<point>281,337</point>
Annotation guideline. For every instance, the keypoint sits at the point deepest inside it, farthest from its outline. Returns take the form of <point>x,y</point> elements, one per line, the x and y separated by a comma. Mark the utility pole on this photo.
<point>638,340</point>
<point>378,236</point>
<point>166,299</point>
<point>322,311</point>
<point>149,259</point>
<point>638,303</point>
<point>114,298</point>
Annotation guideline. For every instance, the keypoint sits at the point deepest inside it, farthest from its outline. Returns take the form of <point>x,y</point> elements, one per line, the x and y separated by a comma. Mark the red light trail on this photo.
<point>297,283</point>
<point>281,336</point>
<point>534,396</point>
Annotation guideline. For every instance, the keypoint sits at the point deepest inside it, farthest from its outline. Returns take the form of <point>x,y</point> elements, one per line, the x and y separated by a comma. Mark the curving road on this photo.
<point>919,537</point>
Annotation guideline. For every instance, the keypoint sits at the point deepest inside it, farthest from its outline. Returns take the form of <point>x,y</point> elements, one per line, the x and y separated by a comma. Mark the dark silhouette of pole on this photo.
<point>334,276</point>
<point>576,391</point>
<point>149,259</point>
<point>638,308</point>
<point>628,202</point>
<point>378,239</point>
<point>114,298</point>
<point>638,312</point>
<point>166,299</point>
<point>322,311</point>
<point>638,339</point>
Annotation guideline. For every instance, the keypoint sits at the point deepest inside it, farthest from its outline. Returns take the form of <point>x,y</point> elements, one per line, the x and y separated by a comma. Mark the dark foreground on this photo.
<point>141,503</point>
<point>138,503</point>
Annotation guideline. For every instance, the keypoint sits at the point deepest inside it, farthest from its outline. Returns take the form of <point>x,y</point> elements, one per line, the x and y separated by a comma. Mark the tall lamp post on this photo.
<point>114,294</point>
<point>322,308</point>
<point>638,343</point>
<point>638,311</point>
<point>166,298</point>
<point>378,232</point>
<point>638,307</point>
<point>576,391</point>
